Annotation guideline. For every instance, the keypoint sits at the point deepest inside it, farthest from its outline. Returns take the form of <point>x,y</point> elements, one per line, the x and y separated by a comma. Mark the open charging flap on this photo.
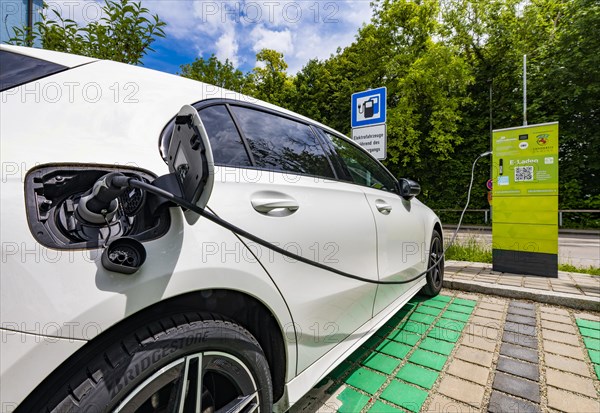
<point>190,159</point>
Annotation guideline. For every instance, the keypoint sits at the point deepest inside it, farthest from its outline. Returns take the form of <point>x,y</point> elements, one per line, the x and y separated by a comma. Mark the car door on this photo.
<point>274,180</point>
<point>401,251</point>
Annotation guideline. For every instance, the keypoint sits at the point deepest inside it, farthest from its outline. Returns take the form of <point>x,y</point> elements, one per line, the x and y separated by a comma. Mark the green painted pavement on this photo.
<point>451,324</point>
<point>437,346</point>
<point>405,395</point>
<point>381,363</point>
<point>352,401</point>
<point>597,370</point>
<point>460,308</point>
<point>435,304</point>
<point>594,356</point>
<point>380,407</point>
<point>588,324</point>
<point>418,375</point>
<point>405,337</point>
<point>366,380</point>
<point>443,334</point>
<point>591,343</point>
<point>421,318</point>
<point>394,348</point>
<point>428,359</point>
<point>453,315</point>
<point>423,309</point>
<point>462,301</point>
<point>590,331</point>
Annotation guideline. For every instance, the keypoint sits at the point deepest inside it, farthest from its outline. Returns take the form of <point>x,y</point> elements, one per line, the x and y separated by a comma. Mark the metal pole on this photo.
<point>524,90</point>
<point>491,82</point>
<point>30,21</point>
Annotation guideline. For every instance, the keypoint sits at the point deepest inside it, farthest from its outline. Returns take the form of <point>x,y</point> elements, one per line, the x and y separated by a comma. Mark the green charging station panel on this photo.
<point>525,200</point>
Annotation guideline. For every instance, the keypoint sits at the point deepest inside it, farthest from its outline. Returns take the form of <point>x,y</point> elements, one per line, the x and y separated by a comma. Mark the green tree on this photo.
<point>270,79</point>
<point>215,72</point>
<point>125,33</point>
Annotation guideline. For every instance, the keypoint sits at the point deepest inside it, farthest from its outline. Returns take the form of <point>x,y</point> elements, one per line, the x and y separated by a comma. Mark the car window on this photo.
<point>224,137</point>
<point>282,144</point>
<point>363,169</point>
<point>17,69</point>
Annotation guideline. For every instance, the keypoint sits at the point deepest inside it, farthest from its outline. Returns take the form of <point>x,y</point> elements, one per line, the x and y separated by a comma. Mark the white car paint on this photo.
<point>325,317</point>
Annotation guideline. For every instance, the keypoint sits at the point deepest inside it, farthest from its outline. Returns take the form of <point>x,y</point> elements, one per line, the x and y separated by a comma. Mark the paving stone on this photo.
<point>515,318</point>
<point>570,382</point>
<point>405,395</point>
<point>428,359</point>
<point>461,390</point>
<point>469,371</point>
<point>520,329</point>
<point>443,334</point>
<point>351,401</point>
<point>384,331</point>
<point>414,327</point>
<point>486,322</point>
<point>381,407</point>
<point>563,349</point>
<point>366,380</point>
<point>491,306</point>
<point>466,299</point>
<point>442,297</point>
<point>423,309</point>
<point>450,324</point>
<point>460,308</point>
<point>472,355</point>
<point>437,346</point>
<point>597,370</point>
<point>518,352</point>
<point>435,304</point>
<point>588,323</point>
<point>503,403</point>
<point>405,337</point>
<point>565,289</point>
<point>567,364</point>
<point>487,332</point>
<point>594,356</point>
<point>522,304</point>
<point>479,342</point>
<point>560,337</point>
<point>556,318</point>
<point>564,328</point>
<point>513,338</point>
<point>394,348</point>
<point>521,311</point>
<point>494,315</point>
<point>421,318</point>
<point>418,375</point>
<point>517,387</point>
<point>589,332</point>
<point>518,368</point>
<point>591,343</point>
<point>441,404</point>
<point>570,402</point>
<point>381,363</point>
<point>453,315</point>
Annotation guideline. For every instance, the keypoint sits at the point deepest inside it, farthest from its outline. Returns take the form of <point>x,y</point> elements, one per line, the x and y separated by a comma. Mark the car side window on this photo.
<point>17,69</point>
<point>282,144</point>
<point>363,169</point>
<point>224,137</point>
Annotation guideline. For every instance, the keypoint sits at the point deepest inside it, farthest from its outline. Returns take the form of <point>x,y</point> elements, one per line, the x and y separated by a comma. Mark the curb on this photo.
<point>520,293</point>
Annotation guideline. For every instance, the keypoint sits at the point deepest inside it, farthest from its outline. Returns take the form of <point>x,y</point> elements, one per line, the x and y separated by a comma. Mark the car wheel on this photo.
<point>201,366</point>
<point>435,276</point>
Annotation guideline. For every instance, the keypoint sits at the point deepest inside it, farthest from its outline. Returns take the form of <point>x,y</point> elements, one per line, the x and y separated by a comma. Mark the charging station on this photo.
<point>525,194</point>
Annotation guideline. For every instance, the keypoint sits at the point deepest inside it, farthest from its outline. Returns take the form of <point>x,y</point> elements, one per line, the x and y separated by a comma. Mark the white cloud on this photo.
<point>227,45</point>
<point>263,38</point>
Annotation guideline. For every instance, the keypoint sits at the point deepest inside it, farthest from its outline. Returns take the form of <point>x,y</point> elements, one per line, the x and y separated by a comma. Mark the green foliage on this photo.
<point>125,33</point>
<point>214,72</point>
<point>469,250</point>
<point>439,61</point>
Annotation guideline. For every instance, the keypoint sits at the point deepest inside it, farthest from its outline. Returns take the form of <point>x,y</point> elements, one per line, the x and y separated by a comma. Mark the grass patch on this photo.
<point>473,251</point>
<point>470,250</point>
<point>572,268</point>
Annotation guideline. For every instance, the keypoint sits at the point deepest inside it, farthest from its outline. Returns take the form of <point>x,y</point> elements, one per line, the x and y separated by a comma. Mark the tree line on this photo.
<point>453,71</point>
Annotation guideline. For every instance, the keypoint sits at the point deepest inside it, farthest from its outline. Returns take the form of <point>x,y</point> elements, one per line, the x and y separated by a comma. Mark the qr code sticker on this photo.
<point>523,173</point>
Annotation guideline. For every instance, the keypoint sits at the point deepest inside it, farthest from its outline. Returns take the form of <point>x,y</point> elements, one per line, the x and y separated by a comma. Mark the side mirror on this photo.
<point>408,188</point>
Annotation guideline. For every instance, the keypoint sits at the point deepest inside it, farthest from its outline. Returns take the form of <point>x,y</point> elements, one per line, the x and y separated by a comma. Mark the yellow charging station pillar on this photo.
<point>525,194</point>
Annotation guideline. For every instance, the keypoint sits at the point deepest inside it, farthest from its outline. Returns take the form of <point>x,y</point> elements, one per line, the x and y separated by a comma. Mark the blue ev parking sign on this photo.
<point>369,107</point>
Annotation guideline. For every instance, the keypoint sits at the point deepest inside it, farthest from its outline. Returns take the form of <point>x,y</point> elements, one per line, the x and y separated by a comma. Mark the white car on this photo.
<point>129,303</point>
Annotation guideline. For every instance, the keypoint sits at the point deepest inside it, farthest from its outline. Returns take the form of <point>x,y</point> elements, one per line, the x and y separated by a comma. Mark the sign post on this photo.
<point>368,121</point>
<point>525,194</point>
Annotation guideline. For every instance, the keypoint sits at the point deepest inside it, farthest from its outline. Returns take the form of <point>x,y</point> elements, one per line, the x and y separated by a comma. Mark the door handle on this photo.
<point>266,205</point>
<point>383,206</point>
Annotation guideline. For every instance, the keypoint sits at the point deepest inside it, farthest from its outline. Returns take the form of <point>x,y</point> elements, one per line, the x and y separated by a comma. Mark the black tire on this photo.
<point>435,277</point>
<point>155,374</point>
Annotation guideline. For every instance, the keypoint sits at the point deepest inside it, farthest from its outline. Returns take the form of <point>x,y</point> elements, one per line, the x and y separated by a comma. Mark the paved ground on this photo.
<point>580,250</point>
<point>462,352</point>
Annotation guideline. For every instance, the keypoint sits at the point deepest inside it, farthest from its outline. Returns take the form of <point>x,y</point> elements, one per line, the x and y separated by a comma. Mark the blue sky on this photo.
<point>236,30</point>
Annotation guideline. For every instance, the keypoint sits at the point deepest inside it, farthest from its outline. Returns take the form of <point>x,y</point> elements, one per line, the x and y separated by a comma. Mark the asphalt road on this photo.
<point>580,250</point>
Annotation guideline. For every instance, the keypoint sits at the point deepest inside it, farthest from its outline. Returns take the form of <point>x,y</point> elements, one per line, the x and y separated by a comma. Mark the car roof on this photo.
<point>63,59</point>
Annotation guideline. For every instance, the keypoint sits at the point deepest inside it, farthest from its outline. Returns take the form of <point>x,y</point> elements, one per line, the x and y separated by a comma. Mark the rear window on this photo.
<point>17,69</point>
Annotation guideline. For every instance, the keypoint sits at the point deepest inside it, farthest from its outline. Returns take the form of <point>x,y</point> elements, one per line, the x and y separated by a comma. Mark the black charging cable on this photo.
<point>135,183</point>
